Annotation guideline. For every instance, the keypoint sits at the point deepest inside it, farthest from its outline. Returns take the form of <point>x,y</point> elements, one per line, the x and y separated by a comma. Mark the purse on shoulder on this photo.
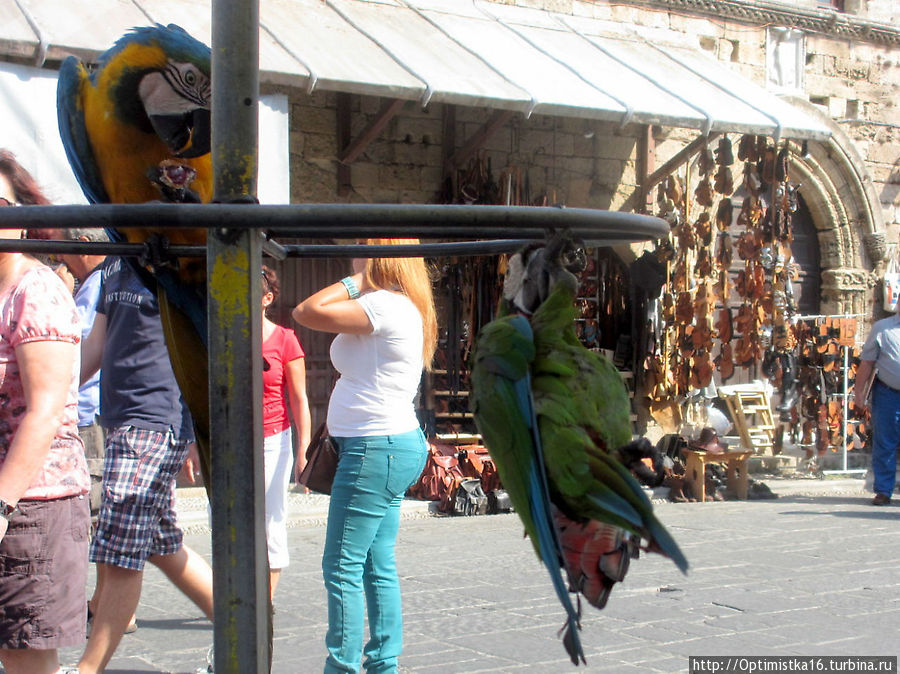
<point>321,462</point>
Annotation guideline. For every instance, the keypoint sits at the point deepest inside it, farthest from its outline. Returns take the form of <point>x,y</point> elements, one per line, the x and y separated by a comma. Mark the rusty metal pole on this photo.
<point>241,585</point>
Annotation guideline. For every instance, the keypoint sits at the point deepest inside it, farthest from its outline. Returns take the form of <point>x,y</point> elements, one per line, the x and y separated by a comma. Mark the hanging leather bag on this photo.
<point>891,285</point>
<point>321,462</point>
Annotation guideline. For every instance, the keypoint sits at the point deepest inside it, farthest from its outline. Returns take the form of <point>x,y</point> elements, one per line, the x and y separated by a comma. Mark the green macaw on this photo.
<point>555,417</point>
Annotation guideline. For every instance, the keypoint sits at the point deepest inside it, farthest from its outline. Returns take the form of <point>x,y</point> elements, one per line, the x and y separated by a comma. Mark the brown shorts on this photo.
<point>94,439</point>
<point>43,570</point>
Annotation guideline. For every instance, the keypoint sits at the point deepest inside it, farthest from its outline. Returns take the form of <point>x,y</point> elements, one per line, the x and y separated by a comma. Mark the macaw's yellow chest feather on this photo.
<point>125,152</point>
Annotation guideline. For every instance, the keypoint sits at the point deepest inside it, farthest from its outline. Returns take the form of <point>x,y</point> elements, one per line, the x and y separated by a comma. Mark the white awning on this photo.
<point>465,52</point>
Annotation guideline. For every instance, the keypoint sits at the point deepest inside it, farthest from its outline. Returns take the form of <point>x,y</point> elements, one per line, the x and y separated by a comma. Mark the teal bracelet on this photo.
<point>350,285</point>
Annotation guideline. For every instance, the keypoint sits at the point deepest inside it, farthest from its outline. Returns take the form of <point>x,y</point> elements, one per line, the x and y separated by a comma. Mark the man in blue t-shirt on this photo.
<point>85,269</point>
<point>148,432</point>
<point>879,374</point>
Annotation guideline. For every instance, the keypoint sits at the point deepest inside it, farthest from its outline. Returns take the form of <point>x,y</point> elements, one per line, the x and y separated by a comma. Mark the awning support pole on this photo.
<point>448,143</point>
<point>241,589</point>
<point>646,161</point>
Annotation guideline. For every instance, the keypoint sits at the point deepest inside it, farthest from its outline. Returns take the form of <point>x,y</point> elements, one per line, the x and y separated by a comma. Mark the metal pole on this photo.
<point>846,403</point>
<point>241,592</point>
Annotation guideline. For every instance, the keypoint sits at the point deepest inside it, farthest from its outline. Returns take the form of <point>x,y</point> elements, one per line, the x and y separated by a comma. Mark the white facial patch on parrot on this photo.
<point>179,90</point>
<point>515,275</point>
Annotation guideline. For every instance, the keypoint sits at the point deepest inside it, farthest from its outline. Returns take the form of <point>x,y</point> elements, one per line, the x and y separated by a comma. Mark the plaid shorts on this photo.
<point>137,514</point>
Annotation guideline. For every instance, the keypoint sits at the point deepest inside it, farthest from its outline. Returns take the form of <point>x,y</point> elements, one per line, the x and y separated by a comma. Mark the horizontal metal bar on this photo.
<point>451,249</point>
<point>53,246</point>
<point>315,221</point>
<point>454,248</point>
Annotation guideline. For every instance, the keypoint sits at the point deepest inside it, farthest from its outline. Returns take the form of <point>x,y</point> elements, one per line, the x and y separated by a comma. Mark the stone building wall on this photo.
<point>852,181</point>
<point>583,162</point>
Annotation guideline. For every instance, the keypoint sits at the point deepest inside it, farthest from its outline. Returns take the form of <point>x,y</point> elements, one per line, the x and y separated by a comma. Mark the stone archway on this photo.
<point>846,212</point>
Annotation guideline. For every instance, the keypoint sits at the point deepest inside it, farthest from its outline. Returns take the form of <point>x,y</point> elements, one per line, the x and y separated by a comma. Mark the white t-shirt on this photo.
<point>380,372</point>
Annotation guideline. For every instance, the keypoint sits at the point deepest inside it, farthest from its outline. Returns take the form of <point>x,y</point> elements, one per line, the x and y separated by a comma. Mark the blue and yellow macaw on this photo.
<point>136,129</point>
<point>555,417</point>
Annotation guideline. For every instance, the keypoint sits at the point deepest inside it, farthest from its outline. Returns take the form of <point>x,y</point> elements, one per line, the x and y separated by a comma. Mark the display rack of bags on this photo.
<point>815,378</point>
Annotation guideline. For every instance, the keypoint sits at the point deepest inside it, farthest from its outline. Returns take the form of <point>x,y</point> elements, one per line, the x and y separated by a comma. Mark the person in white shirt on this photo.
<point>85,269</point>
<point>387,333</point>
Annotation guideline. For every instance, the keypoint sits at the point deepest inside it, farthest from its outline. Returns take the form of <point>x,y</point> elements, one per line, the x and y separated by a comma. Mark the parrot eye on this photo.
<point>190,77</point>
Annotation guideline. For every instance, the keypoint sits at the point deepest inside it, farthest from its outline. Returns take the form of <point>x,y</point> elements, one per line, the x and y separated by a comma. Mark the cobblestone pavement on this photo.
<point>813,572</point>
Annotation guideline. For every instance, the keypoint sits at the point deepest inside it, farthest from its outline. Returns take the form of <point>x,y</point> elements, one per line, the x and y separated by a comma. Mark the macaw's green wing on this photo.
<point>73,77</point>
<point>587,481</point>
<point>502,357</point>
<point>504,412</point>
<point>584,414</point>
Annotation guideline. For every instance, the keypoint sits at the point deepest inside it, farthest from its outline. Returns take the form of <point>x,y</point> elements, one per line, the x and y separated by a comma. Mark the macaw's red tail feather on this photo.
<point>596,555</point>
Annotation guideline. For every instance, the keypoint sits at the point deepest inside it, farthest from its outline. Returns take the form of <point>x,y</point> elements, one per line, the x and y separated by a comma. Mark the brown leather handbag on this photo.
<point>321,462</point>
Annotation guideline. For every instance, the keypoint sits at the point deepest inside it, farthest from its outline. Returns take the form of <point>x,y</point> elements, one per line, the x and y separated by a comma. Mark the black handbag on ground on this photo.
<point>498,502</point>
<point>321,462</point>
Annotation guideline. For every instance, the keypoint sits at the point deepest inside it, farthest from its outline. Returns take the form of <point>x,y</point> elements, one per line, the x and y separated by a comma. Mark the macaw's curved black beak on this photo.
<point>187,135</point>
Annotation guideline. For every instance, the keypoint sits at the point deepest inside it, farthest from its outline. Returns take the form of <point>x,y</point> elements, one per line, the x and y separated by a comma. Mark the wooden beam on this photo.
<point>643,191</point>
<point>680,158</point>
<point>488,129</point>
<point>356,147</point>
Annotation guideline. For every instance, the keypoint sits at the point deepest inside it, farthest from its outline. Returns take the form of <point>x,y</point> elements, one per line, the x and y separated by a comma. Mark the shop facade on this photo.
<point>371,120</point>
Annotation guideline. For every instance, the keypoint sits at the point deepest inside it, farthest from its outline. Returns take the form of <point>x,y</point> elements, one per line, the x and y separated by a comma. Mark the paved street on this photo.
<point>811,573</point>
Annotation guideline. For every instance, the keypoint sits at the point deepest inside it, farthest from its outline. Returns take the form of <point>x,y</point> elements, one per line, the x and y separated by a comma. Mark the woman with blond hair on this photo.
<point>387,332</point>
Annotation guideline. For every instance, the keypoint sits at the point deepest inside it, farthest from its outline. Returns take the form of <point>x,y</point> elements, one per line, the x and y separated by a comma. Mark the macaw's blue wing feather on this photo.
<point>190,364</point>
<point>73,132</point>
<point>189,299</point>
<point>548,543</point>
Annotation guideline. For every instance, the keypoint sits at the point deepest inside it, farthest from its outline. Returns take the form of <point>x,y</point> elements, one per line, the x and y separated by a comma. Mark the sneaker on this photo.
<point>881,500</point>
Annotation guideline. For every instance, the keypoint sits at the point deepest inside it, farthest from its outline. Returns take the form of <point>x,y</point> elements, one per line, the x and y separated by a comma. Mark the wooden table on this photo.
<point>737,479</point>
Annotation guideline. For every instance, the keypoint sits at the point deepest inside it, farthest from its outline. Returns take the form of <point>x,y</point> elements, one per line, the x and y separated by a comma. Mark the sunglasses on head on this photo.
<point>6,202</point>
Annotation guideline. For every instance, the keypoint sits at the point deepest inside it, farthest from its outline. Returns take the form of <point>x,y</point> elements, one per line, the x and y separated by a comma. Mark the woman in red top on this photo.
<point>284,387</point>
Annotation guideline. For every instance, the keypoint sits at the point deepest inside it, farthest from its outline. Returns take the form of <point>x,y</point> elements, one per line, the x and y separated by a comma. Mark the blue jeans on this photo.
<point>885,437</point>
<point>373,474</point>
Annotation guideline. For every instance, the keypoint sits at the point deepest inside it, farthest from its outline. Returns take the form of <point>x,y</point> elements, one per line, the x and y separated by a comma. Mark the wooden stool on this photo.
<point>735,471</point>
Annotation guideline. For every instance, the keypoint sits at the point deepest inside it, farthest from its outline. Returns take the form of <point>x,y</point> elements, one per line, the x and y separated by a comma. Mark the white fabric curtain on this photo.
<point>28,127</point>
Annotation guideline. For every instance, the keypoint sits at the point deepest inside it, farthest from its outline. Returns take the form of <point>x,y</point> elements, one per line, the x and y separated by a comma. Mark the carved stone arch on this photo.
<point>847,215</point>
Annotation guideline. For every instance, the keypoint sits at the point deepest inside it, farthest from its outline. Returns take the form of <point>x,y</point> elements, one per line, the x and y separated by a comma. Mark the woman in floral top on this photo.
<point>44,515</point>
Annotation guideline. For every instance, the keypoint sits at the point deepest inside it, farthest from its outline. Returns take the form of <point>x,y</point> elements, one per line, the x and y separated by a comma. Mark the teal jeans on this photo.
<point>358,564</point>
